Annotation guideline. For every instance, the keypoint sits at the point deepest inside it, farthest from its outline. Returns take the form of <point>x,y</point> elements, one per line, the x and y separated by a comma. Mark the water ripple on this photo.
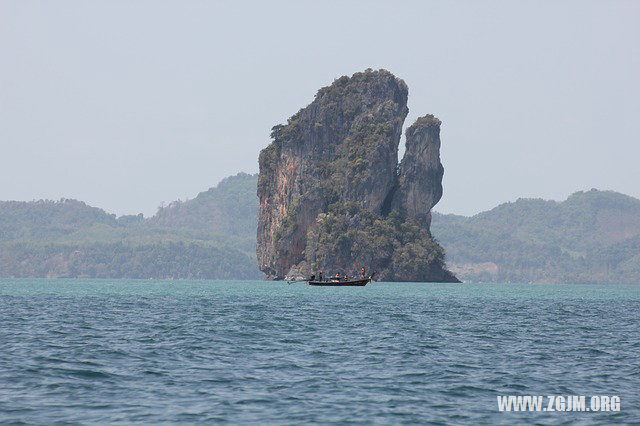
<point>253,353</point>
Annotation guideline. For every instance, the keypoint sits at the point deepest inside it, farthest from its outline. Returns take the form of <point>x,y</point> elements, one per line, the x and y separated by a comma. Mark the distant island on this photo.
<point>333,196</point>
<point>592,237</point>
<point>209,237</point>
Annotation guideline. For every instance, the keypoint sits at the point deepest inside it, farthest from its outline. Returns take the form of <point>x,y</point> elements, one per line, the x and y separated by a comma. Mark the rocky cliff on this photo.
<point>420,173</point>
<point>332,195</point>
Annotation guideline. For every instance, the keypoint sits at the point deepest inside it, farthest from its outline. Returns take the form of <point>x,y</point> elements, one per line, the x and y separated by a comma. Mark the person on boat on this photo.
<point>363,272</point>
<point>320,276</point>
<point>346,277</point>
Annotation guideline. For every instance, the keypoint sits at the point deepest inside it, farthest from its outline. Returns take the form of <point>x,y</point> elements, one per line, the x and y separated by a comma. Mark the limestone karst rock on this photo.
<point>331,176</point>
<point>420,173</point>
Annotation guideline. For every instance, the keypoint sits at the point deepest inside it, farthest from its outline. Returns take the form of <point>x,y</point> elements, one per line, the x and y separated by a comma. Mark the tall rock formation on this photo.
<point>329,185</point>
<point>420,173</point>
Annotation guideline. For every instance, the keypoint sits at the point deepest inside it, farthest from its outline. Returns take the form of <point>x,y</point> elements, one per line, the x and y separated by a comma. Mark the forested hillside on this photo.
<point>209,237</point>
<point>592,237</point>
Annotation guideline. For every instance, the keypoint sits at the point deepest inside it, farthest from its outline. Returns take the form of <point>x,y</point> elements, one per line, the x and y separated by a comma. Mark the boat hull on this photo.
<point>353,283</point>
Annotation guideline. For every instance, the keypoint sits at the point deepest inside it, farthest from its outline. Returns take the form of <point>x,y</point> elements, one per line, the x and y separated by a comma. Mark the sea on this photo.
<point>254,352</point>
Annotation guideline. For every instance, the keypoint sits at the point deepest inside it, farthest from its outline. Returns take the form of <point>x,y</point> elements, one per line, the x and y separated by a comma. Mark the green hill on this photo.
<point>592,237</point>
<point>48,220</point>
<point>210,237</point>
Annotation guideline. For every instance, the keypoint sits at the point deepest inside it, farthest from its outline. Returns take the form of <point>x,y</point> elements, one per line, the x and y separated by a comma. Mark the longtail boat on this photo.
<point>334,282</point>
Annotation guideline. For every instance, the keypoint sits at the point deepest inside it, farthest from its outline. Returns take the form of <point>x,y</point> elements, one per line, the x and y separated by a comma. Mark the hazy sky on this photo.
<point>126,104</point>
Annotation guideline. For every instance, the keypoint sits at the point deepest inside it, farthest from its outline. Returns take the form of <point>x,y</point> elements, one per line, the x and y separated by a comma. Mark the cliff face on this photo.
<point>339,152</point>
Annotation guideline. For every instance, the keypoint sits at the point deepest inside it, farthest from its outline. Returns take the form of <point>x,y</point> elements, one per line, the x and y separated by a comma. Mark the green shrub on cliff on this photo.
<point>349,236</point>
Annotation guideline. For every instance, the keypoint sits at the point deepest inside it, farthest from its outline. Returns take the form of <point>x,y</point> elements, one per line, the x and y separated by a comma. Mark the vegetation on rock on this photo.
<point>349,236</point>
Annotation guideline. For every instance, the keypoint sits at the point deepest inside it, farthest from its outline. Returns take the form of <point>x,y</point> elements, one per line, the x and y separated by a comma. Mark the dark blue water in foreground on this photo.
<point>98,351</point>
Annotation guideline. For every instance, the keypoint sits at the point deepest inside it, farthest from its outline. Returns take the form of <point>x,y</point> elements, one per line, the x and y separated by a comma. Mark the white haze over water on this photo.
<point>128,104</point>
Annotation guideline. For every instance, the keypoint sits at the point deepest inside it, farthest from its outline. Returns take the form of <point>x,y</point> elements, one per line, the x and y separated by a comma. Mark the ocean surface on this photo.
<point>126,351</point>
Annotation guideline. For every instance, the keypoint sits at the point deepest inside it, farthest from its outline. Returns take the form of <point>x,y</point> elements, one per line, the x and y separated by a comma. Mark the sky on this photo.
<point>130,104</point>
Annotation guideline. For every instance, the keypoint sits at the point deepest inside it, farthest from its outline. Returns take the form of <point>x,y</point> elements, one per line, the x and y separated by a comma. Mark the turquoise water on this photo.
<point>100,351</point>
